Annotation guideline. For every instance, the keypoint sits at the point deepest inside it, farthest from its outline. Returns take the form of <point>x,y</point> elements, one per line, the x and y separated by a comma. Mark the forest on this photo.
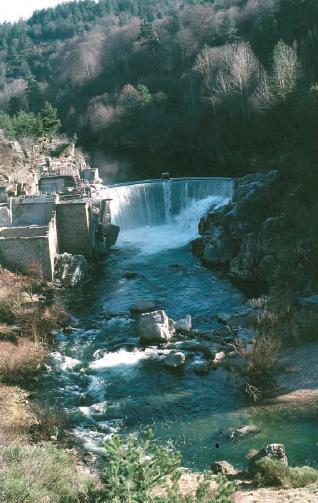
<point>222,87</point>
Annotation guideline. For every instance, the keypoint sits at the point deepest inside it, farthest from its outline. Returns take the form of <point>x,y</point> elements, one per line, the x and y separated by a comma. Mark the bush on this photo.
<point>19,360</point>
<point>51,421</point>
<point>270,472</point>
<point>39,323</point>
<point>41,473</point>
<point>137,468</point>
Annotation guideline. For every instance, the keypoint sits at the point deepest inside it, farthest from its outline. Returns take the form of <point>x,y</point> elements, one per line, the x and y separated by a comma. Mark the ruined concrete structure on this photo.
<point>58,217</point>
<point>38,228</point>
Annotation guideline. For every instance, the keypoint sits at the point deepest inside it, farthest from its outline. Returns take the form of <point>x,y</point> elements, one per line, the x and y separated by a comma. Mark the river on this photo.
<point>108,383</point>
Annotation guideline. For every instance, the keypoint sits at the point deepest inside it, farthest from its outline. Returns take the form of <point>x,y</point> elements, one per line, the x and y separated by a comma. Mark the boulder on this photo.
<point>200,367</point>
<point>183,324</point>
<point>155,327</point>
<point>208,351</point>
<point>110,232</point>
<point>143,306</point>
<point>243,431</point>
<point>223,331</point>
<point>174,360</point>
<point>219,357</point>
<point>246,317</point>
<point>223,467</point>
<point>276,452</point>
<point>70,269</point>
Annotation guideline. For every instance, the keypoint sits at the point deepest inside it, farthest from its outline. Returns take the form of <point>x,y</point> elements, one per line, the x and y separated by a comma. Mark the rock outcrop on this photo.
<point>244,235</point>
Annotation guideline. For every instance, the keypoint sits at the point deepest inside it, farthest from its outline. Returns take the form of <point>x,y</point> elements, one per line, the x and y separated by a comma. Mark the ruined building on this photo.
<point>61,217</point>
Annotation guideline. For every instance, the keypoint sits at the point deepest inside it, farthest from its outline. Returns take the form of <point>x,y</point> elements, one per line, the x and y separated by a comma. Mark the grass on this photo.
<point>268,472</point>
<point>35,474</point>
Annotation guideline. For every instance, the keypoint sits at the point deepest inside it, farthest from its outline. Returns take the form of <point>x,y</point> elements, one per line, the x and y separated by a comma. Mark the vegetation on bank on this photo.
<point>136,470</point>
<point>34,473</point>
<point>27,324</point>
<point>272,473</point>
<point>141,470</point>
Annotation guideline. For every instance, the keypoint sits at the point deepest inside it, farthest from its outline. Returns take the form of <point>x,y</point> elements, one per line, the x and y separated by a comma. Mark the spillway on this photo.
<point>156,202</point>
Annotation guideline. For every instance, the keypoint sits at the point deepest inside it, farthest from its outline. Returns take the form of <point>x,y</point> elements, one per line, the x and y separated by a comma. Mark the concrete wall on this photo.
<point>5,216</point>
<point>54,184</point>
<point>36,210</point>
<point>52,243</point>
<point>3,195</point>
<point>74,228</point>
<point>22,253</point>
<point>24,232</point>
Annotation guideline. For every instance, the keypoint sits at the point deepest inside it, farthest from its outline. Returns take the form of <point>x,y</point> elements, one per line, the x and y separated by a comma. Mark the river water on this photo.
<point>108,383</point>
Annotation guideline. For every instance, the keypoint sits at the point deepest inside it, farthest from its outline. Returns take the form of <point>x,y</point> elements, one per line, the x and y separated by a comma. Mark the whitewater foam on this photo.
<point>180,230</point>
<point>121,357</point>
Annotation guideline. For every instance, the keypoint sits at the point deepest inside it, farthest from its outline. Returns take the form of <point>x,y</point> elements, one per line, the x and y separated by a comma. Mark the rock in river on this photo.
<point>143,306</point>
<point>243,431</point>
<point>200,367</point>
<point>183,324</point>
<point>174,360</point>
<point>155,327</point>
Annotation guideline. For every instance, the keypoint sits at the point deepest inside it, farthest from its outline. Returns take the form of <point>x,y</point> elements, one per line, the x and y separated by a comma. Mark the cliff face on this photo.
<point>254,235</point>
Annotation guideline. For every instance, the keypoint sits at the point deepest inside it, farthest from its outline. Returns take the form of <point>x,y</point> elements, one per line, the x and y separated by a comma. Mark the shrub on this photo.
<point>262,357</point>
<point>20,359</point>
<point>39,473</point>
<point>51,421</point>
<point>136,468</point>
<point>39,323</point>
<point>269,472</point>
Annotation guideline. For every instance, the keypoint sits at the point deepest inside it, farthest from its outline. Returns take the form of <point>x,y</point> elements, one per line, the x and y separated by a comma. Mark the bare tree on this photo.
<point>229,75</point>
<point>286,69</point>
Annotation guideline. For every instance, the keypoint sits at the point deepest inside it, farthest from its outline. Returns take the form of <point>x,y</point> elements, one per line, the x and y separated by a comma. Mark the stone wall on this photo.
<point>74,228</point>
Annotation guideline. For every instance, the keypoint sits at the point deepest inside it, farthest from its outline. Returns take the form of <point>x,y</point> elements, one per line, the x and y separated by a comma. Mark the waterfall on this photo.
<point>157,215</point>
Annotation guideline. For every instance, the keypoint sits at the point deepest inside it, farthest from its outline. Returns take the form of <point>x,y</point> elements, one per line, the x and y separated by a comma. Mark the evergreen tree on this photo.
<point>14,105</point>
<point>228,31</point>
<point>34,95</point>
<point>147,35</point>
<point>51,122</point>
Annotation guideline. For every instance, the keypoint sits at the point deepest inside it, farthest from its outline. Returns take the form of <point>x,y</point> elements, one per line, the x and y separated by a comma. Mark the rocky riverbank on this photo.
<point>257,236</point>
